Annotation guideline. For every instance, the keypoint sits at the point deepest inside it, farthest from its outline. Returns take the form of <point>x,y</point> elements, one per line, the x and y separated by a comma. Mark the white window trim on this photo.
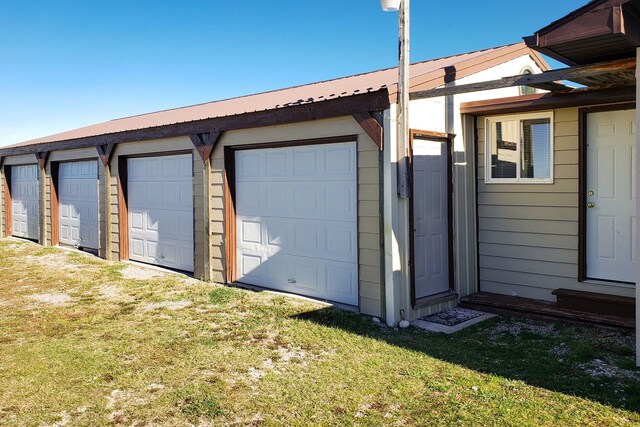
<point>487,149</point>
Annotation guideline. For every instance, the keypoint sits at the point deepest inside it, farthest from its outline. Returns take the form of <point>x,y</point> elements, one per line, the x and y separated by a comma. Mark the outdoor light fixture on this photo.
<point>402,110</point>
<point>390,5</point>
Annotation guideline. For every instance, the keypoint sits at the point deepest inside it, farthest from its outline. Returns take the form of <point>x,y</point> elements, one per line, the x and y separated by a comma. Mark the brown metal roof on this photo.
<point>602,30</point>
<point>424,75</point>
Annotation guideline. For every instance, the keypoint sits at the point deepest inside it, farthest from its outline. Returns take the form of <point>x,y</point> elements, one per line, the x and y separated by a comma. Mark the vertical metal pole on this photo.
<point>637,242</point>
<point>402,118</point>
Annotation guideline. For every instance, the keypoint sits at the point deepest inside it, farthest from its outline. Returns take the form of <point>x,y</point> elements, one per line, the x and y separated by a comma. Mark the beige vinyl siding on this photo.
<point>528,233</point>
<point>158,147</point>
<point>369,265</point>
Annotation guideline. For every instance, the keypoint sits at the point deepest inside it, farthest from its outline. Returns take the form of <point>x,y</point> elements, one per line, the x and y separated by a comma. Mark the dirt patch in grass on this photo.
<point>110,291</point>
<point>135,272</point>
<point>52,260</point>
<point>52,298</point>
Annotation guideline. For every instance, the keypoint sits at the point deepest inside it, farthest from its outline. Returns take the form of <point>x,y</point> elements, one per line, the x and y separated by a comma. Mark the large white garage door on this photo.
<point>78,203</point>
<point>24,200</point>
<point>296,213</point>
<point>160,202</point>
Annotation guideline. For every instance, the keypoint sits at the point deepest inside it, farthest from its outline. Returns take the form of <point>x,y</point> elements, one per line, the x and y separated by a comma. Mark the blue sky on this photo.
<point>70,63</point>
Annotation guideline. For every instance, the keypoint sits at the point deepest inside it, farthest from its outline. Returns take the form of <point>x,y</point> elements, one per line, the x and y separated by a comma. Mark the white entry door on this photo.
<point>611,212</point>
<point>25,201</point>
<point>296,220</point>
<point>160,203</point>
<point>430,217</point>
<point>78,203</point>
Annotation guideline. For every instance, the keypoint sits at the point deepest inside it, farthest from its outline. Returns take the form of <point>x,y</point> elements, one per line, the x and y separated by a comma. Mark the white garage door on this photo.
<point>78,203</point>
<point>160,202</point>
<point>296,213</point>
<point>24,200</point>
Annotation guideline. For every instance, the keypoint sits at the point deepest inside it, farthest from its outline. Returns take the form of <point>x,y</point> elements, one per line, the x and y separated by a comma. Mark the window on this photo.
<point>527,90</point>
<point>519,149</point>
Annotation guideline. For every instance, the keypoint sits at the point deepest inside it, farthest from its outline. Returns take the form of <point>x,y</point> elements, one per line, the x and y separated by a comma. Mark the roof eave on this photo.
<point>345,106</point>
<point>547,101</point>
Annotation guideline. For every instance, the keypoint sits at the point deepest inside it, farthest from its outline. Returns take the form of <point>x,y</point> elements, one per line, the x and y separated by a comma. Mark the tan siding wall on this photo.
<point>368,197</point>
<point>528,233</point>
<point>24,159</point>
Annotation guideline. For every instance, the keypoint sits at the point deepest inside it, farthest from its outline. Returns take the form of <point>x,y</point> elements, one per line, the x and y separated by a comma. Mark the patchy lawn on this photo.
<point>87,342</point>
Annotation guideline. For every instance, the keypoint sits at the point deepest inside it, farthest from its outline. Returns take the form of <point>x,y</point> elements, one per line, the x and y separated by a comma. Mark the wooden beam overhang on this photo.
<point>624,69</point>
<point>346,106</point>
<point>370,125</point>
<point>601,30</point>
<point>105,151</point>
<point>541,101</point>
<point>205,142</point>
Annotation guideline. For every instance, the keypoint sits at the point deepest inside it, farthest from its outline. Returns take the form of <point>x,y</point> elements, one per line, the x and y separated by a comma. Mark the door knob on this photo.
<point>591,205</point>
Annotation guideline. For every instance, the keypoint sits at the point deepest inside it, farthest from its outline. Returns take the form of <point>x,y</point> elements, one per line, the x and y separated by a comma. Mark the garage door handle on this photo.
<point>291,281</point>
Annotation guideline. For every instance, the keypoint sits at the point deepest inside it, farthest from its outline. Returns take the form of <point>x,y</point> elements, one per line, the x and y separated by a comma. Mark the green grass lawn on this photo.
<point>83,343</point>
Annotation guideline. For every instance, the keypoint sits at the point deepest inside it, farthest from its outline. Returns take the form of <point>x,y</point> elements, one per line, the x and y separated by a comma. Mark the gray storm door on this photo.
<point>430,217</point>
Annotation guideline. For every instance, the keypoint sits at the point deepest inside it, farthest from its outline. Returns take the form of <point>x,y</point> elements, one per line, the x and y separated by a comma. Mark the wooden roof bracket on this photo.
<point>206,142</point>
<point>371,126</point>
<point>105,151</point>
<point>41,157</point>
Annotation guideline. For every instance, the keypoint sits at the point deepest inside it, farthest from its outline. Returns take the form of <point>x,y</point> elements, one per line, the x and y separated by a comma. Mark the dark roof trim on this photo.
<point>368,102</point>
<point>547,101</point>
<point>601,30</point>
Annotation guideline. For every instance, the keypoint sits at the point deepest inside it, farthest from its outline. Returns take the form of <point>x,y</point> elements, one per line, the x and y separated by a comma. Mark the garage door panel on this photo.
<point>160,204</point>
<point>308,200</point>
<point>331,241</point>
<point>78,203</point>
<point>275,164</point>
<point>136,247</point>
<point>340,162</point>
<point>341,280</point>
<point>297,220</point>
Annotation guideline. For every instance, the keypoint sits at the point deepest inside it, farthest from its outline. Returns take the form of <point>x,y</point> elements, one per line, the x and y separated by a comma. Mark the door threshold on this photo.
<point>435,298</point>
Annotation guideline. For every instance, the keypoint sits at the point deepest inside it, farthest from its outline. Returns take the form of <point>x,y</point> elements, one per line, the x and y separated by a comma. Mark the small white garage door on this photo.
<point>160,202</point>
<point>24,200</point>
<point>296,220</point>
<point>78,203</point>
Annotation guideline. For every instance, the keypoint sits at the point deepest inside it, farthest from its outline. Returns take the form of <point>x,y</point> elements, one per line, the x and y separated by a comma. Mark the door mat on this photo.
<point>452,317</point>
<point>452,320</point>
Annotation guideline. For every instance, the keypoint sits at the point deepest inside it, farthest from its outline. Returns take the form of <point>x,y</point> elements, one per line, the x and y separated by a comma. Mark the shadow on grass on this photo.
<point>596,364</point>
